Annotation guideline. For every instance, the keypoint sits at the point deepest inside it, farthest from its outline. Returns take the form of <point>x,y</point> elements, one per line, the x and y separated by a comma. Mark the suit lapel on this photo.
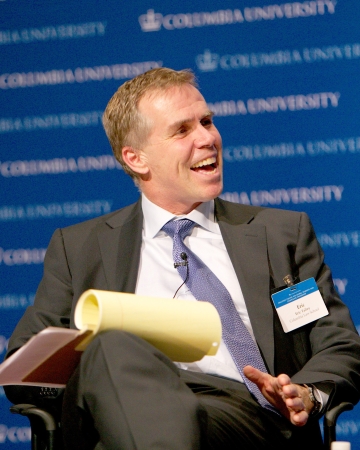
<point>247,248</point>
<point>120,245</point>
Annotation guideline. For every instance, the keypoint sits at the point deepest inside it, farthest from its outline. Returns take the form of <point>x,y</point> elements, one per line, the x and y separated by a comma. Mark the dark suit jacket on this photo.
<point>264,245</point>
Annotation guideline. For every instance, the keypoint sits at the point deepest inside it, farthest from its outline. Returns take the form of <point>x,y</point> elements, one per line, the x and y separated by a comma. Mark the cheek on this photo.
<point>218,139</point>
<point>218,144</point>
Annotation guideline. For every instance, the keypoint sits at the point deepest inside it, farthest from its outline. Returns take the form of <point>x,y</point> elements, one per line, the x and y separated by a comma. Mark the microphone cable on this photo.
<point>185,262</point>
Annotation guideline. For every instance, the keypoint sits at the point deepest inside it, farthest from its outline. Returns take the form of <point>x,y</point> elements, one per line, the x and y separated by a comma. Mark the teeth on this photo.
<point>205,162</point>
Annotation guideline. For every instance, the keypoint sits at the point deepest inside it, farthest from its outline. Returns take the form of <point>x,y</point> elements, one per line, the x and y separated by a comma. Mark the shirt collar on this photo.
<point>155,217</point>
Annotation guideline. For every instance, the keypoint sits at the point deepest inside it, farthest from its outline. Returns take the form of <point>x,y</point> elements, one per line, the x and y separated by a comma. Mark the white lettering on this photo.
<point>264,151</point>
<point>239,153</point>
<point>290,103</point>
<point>22,256</point>
<point>340,239</point>
<point>52,210</point>
<point>14,434</point>
<point>56,166</point>
<point>153,21</point>
<point>289,10</point>
<point>79,75</point>
<point>3,344</point>
<point>16,301</point>
<point>348,428</point>
<point>341,284</point>
<point>280,57</point>
<point>333,146</point>
<point>293,102</point>
<point>51,33</point>
<point>298,195</point>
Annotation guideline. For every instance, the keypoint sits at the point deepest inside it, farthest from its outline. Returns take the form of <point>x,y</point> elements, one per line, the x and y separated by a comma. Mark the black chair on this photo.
<point>46,431</point>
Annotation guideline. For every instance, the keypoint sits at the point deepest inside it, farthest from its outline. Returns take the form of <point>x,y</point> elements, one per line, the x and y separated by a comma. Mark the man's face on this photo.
<point>183,152</point>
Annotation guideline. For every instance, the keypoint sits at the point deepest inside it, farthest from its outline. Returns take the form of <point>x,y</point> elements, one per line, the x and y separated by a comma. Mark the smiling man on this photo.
<point>264,389</point>
<point>181,162</point>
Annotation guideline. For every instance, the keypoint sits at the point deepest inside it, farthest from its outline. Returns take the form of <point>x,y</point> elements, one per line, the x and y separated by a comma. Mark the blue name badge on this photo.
<point>299,305</point>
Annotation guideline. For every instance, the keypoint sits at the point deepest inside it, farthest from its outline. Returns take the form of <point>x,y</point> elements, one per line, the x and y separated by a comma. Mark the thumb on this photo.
<point>254,375</point>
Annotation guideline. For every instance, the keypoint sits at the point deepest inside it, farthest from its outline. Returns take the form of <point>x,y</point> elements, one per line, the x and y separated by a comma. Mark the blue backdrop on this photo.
<point>282,78</point>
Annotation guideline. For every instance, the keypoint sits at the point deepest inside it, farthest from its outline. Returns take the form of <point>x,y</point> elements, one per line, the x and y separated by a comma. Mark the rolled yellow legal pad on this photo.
<point>184,330</point>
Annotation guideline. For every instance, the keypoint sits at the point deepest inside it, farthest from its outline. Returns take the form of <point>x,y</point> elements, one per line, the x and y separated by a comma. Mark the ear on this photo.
<point>135,159</point>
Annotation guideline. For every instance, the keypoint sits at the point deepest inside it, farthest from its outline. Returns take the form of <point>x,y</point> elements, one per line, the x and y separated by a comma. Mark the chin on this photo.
<point>207,193</point>
<point>215,192</point>
<point>211,196</point>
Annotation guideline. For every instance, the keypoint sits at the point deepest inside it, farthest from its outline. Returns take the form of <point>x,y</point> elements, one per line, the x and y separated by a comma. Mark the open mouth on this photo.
<point>208,165</point>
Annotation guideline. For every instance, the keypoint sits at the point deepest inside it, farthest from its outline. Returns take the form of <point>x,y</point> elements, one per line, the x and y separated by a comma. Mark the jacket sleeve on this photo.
<point>333,340</point>
<point>53,300</point>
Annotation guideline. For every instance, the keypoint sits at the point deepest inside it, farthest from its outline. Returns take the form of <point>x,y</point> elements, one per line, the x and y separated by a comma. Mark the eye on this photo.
<point>182,130</point>
<point>206,121</point>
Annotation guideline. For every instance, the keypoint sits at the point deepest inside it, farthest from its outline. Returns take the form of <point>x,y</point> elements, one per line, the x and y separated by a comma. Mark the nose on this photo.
<point>204,137</point>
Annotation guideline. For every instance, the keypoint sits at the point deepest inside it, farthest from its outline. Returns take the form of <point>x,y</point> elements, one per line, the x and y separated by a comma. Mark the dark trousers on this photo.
<point>126,395</point>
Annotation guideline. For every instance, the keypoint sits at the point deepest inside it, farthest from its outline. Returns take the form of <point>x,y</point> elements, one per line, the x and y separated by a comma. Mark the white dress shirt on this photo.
<point>157,276</point>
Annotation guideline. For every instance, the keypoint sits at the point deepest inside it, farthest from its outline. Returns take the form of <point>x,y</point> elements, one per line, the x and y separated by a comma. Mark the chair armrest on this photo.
<point>330,419</point>
<point>31,410</point>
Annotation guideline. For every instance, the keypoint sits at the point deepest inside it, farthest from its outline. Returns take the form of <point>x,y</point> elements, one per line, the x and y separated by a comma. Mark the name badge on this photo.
<point>299,305</point>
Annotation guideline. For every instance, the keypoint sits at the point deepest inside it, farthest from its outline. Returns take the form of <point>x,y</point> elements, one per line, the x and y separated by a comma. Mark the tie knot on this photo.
<point>180,227</point>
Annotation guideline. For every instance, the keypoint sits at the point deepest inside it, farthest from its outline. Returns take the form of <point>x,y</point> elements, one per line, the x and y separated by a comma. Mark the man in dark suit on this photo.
<point>125,394</point>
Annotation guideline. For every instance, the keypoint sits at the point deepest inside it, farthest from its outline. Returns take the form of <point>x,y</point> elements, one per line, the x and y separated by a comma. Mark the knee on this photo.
<point>115,340</point>
<point>132,349</point>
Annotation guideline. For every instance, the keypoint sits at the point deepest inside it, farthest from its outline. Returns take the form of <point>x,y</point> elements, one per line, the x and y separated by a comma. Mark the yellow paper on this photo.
<point>184,330</point>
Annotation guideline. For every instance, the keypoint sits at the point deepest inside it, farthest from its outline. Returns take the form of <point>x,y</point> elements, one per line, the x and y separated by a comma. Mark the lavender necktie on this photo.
<point>204,285</point>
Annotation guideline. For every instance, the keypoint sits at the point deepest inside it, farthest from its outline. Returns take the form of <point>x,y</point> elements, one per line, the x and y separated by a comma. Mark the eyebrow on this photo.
<point>181,122</point>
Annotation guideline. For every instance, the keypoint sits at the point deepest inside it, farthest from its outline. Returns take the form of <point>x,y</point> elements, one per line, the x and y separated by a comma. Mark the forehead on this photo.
<point>174,101</point>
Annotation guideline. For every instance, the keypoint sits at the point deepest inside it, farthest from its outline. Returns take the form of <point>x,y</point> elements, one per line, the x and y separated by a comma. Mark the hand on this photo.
<point>292,400</point>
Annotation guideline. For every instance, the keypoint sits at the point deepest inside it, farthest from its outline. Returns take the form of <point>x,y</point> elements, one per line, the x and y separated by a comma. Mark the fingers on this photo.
<point>268,382</point>
<point>286,396</point>
<point>290,390</point>
<point>299,419</point>
<point>295,404</point>
<point>284,380</point>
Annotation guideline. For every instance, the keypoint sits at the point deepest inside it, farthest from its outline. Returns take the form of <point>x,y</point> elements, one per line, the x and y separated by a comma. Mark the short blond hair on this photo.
<point>123,123</point>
